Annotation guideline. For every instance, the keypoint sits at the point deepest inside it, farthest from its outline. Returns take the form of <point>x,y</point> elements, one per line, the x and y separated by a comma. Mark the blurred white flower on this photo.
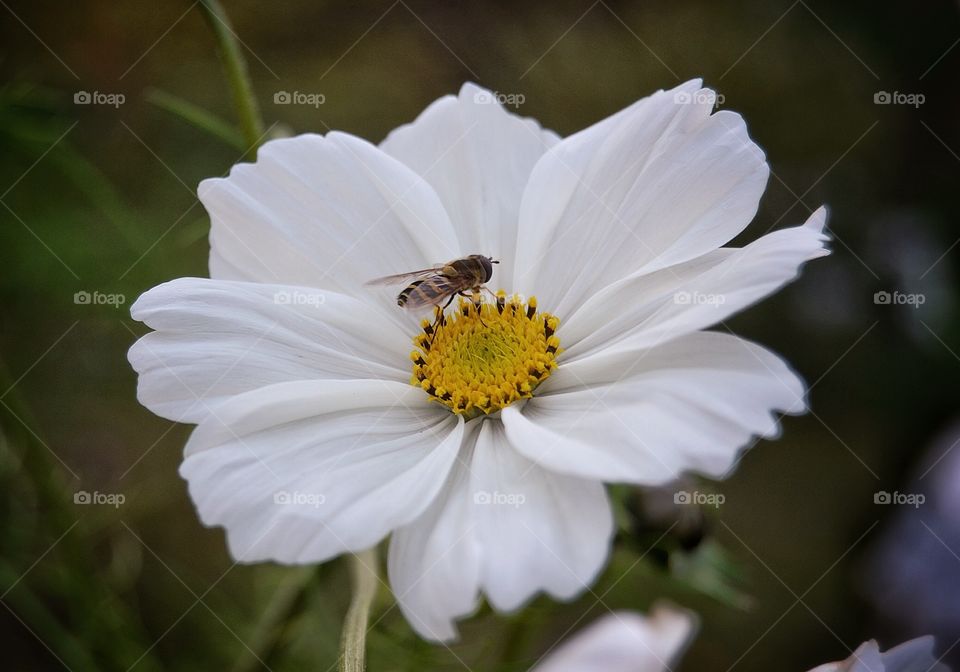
<point>629,642</point>
<point>908,574</point>
<point>488,470</point>
<point>624,642</point>
<point>913,656</point>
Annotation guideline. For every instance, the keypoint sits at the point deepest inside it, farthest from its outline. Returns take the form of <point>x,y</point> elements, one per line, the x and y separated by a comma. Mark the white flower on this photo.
<point>913,656</point>
<point>629,642</point>
<point>624,642</point>
<point>312,441</point>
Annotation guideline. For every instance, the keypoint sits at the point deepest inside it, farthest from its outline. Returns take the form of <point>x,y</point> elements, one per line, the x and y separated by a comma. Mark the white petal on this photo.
<point>539,531</point>
<point>643,310</point>
<point>324,211</point>
<point>646,417</point>
<point>656,184</point>
<point>916,655</point>
<point>504,527</point>
<point>434,562</point>
<point>625,642</point>
<point>477,157</point>
<point>300,472</point>
<point>215,339</point>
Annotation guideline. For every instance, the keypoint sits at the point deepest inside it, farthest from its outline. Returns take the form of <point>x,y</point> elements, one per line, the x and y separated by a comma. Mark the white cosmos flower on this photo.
<point>629,642</point>
<point>914,656</point>
<point>625,642</point>
<point>311,440</point>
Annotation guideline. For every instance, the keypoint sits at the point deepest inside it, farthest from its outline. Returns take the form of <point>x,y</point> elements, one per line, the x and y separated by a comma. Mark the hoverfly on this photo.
<point>432,286</point>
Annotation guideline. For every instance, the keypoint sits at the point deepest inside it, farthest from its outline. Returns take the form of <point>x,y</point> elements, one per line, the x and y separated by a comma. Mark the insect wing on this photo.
<point>433,292</point>
<point>404,277</point>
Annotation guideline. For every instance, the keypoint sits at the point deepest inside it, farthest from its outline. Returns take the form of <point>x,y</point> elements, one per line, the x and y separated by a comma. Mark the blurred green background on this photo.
<point>101,198</point>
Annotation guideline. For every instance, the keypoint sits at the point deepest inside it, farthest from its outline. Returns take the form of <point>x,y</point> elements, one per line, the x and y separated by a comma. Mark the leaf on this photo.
<point>197,116</point>
<point>710,570</point>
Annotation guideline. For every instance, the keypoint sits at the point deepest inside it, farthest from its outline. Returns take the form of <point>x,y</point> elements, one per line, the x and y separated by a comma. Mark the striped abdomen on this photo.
<point>431,291</point>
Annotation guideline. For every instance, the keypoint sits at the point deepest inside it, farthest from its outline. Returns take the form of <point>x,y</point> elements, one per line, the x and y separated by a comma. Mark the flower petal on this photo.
<point>478,158</point>
<point>916,655</point>
<point>516,528</point>
<point>300,472</point>
<point>434,562</point>
<point>625,642</point>
<point>659,183</point>
<point>643,310</point>
<point>215,339</point>
<point>690,404</point>
<point>323,211</point>
<point>539,530</point>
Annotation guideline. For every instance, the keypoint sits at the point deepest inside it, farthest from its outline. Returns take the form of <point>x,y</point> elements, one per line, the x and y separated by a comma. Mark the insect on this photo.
<point>432,286</point>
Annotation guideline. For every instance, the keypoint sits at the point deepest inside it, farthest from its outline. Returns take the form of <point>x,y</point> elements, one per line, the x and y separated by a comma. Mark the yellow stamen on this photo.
<point>483,359</point>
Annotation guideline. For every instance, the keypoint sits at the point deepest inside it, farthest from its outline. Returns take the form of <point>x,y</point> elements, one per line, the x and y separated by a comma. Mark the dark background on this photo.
<point>97,198</point>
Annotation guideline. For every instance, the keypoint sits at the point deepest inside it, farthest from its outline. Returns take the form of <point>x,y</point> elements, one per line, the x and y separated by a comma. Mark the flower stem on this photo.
<point>251,124</point>
<point>365,581</point>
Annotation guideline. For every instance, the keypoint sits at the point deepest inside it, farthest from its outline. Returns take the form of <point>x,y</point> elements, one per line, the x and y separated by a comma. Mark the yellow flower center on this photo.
<point>481,359</point>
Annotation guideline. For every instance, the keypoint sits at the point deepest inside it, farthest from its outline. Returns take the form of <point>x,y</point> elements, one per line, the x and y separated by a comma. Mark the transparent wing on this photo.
<point>404,277</point>
<point>442,288</point>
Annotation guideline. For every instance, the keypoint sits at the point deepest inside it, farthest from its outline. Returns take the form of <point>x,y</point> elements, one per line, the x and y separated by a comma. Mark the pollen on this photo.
<point>483,357</point>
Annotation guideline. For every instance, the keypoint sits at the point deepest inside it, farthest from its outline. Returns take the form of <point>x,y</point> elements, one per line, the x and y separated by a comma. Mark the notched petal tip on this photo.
<point>469,89</point>
<point>817,222</point>
<point>818,219</point>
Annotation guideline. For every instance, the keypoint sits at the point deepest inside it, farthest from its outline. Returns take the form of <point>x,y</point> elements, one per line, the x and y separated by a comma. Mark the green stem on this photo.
<point>365,581</point>
<point>251,124</point>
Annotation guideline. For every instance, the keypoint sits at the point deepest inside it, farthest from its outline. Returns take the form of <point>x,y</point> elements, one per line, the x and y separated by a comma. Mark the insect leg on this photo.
<point>439,320</point>
<point>477,299</point>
